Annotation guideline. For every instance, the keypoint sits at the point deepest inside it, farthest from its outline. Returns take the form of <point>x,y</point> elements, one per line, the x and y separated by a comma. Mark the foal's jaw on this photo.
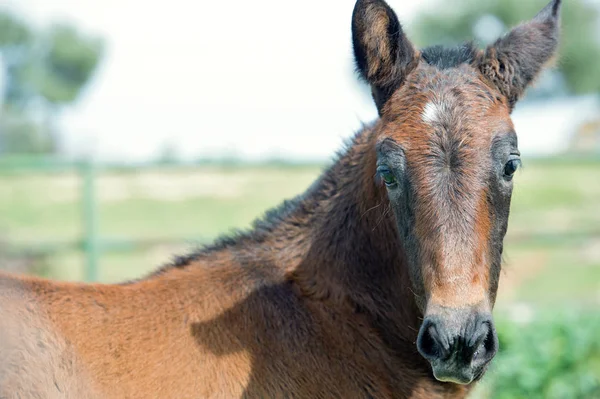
<point>457,336</point>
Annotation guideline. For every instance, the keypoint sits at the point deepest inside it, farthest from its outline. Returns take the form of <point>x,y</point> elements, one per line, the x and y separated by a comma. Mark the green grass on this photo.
<point>551,276</point>
<point>556,198</point>
<point>199,202</point>
<point>192,204</point>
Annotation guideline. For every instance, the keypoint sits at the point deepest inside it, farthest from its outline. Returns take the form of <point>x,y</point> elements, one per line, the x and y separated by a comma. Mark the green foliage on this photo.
<point>67,65</point>
<point>580,46</point>
<point>45,70</point>
<point>553,357</point>
<point>51,66</point>
<point>13,31</point>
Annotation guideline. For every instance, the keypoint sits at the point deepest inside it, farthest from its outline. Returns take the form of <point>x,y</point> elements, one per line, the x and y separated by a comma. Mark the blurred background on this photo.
<point>132,130</point>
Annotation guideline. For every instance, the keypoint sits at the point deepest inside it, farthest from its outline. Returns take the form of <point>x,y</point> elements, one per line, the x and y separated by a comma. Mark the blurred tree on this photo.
<point>486,20</point>
<point>43,71</point>
<point>67,62</point>
<point>15,40</point>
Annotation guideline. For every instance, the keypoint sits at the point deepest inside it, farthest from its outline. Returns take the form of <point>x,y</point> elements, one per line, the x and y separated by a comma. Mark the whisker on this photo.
<point>389,208</point>
<point>411,328</point>
<point>370,209</point>
<point>414,293</point>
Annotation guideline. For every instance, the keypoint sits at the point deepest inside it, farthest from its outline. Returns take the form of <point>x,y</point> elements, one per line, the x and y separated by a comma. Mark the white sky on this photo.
<point>252,78</point>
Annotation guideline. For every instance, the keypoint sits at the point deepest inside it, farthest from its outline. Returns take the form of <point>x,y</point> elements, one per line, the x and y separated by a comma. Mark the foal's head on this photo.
<point>446,155</point>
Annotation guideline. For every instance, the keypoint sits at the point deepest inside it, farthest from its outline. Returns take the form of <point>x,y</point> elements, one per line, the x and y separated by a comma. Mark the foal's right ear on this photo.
<point>383,53</point>
<point>513,61</point>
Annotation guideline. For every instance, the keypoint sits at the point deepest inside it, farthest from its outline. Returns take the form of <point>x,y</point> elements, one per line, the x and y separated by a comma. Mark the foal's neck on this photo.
<point>338,244</point>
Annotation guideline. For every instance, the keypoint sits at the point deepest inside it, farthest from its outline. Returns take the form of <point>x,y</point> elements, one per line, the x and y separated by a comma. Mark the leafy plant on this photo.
<point>552,357</point>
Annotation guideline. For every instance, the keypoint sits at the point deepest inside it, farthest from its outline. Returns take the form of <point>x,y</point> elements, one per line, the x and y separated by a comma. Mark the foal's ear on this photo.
<point>516,59</point>
<point>383,54</point>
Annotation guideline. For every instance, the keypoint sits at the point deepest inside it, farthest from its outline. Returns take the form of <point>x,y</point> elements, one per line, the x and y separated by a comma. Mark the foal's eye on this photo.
<point>511,167</point>
<point>387,176</point>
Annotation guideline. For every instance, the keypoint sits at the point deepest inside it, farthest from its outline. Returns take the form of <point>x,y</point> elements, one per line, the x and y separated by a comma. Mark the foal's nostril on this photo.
<point>478,340</point>
<point>430,343</point>
<point>486,345</point>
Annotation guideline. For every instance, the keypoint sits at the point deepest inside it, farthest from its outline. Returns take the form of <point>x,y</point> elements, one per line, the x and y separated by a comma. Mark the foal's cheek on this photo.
<point>408,245</point>
<point>402,213</point>
<point>421,302</point>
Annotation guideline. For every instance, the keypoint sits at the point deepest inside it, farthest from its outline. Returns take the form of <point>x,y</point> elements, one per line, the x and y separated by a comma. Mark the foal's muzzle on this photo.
<point>458,343</point>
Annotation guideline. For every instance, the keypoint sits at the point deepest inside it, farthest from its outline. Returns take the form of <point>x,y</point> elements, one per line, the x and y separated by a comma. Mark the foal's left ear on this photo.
<point>383,53</point>
<point>516,59</point>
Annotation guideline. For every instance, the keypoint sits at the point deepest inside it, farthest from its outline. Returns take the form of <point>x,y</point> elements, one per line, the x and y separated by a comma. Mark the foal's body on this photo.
<point>378,282</point>
<point>246,317</point>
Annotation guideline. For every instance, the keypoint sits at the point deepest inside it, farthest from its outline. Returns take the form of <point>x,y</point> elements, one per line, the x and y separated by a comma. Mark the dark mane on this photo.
<point>256,233</point>
<point>449,57</point>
